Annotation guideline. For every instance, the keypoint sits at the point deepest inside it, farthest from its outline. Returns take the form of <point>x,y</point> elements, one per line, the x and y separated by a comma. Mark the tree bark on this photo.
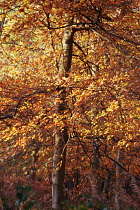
<point>61,130</point>
<point>117,191</point>
<point>95,179</point>
<point>95,165</point>
<point>1,26</point>
<point>34,160</point>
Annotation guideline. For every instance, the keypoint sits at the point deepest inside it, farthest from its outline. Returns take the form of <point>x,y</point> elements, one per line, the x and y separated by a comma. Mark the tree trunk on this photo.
<point>95,179</point>
<point>95,165</point>
<point>61,130</point>
<point>117,191</point>
<point>34,160</point>
<point>1,26</point>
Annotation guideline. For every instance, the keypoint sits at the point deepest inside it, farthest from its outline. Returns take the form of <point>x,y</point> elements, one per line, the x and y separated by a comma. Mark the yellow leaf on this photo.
<point>58,168</point>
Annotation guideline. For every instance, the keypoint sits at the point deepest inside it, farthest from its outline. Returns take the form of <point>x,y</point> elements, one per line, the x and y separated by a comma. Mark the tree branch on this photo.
<point>118,36</point>
<point>10,116</point>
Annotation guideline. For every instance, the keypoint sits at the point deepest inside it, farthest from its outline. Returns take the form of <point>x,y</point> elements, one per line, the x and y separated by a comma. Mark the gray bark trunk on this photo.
<point>61,131</point>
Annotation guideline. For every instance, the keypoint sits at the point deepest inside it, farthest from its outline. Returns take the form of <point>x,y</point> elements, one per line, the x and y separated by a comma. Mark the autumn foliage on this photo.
<point>99,92</point>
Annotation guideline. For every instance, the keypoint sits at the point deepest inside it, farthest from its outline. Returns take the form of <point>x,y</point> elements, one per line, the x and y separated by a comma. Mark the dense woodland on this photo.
<point>69,104</point>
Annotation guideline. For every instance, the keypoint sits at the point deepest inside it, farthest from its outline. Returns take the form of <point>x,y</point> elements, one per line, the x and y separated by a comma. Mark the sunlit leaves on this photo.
<point>102,90</point>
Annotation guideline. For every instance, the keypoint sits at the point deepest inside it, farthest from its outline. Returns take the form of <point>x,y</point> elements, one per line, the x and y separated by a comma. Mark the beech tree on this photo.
<point>77,66</point>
